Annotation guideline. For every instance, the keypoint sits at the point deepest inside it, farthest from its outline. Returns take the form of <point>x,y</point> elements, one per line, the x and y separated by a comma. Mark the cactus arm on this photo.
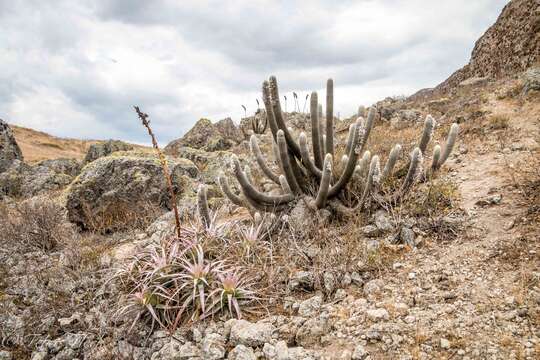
<point>322,194</point>
<point>348,171</point>
<point>252,193</point>
<point>226,189</point>
<point>434,161</point>
<point>269,110</point>
<point>372,178</point>
<point>284,184</point>
<point>370,122</point>
<point>450,142</point>
<point>315,134</point>
<point>304,151</point>
<point>427,133</point>
<point>349,142</point>
<point>286,162</point>
<point>413,172</point>
<point>329,149</point>
<point>278,116</point>
<point>202,206</point>
<point>391,162</point>
<point>256,150</point>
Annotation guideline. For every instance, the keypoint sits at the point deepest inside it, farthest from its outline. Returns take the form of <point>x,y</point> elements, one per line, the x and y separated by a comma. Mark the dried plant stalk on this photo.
<point>146,123</point>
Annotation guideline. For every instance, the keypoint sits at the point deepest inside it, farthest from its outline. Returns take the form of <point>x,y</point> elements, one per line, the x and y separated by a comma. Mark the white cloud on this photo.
<point>76,68</point>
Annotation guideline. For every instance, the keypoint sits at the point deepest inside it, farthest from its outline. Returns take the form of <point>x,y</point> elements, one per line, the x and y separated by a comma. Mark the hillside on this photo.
<point>37,146</point>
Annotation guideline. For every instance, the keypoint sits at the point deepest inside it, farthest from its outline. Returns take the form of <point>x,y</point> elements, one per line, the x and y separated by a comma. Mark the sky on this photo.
<point>76,68</point>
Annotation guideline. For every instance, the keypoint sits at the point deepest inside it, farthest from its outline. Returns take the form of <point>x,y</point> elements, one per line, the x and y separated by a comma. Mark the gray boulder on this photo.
<point>23,180</point>
<point>209,137</point>
<point>250,334</point>
<point>531,79</point>
<point>122,181</point>
<point>9,150</point>
<point>100,150</point>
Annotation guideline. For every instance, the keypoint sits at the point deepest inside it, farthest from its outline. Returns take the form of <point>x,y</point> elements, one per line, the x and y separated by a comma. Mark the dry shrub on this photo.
<point>122,215</point>
<point>35,224</point>
<point>498,122</point>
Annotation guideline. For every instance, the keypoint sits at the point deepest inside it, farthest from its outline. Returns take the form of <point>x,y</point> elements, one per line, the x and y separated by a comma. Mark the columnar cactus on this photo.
<point>258,124</point>
<point>313,177</point>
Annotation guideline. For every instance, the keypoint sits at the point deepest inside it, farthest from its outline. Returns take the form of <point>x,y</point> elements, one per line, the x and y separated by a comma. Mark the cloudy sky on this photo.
<point>75,68</point>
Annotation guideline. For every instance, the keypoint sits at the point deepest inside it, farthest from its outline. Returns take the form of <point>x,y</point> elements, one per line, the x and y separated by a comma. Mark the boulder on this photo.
<point>531,79</point>
<point>123,182</point>
<point>250,334</point>
<point>97,151</point>
<point>23,180</point>
<point>209,137</point>
<point>9,150</point>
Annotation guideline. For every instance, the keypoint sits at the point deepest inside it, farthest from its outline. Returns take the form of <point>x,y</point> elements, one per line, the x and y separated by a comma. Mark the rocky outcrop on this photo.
<point>122,182</point>
<point>97,151</point>
<point>209,137</point>
<point>509,46</point>
<point>9,150</point>
<point>24,180</point>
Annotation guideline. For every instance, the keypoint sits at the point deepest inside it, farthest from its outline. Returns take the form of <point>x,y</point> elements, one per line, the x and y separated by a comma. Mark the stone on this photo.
<point>302,280</point>
<point>209,137</point>
<point>407,236</point>
<point>359,353</point>
<point>531,79</point>
<point>311,306</point>
<point>9,149</point>
<point>282,351</point>
<point>99,150</point>
<point>213,347</point>
<point>23,180</point>
<point>377,315</point>
<point>445,344</point>
<point>74,341</point>
<point>370,231</point>
<point>5,355</point>
<point>250,334</point>
<point>310,332</point>
<point>382,221</point>
<point>329,282</point>
<point>111,186</point>
<point>241,352</point>
<point>174,350</point>
<point>373,287</point>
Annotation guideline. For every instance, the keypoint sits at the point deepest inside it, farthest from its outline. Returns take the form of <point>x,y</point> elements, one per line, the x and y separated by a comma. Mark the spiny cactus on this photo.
<point>313,176</point>
<point>258,124</point>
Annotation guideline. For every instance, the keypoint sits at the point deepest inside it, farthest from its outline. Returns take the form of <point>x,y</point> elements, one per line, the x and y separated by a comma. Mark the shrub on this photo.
<point>35,224</point>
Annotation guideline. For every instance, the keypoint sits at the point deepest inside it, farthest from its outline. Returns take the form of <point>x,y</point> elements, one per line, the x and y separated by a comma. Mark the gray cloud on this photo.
<point>76,68</point>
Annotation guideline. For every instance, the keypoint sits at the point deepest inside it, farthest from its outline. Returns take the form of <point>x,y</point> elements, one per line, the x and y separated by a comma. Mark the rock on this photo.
<point>210,164</point>
<point>370,231</point>
<point>9,149</point>
<point>445,344</point>
<point>74,341</point>
<point>241,352</point>
<point>23,180</point>
<point>329,281</point>
<point>301,217</point>
<point>213,347</point>
<point>250,334</point>
<point>209,137</point>
<point>311,306</point>
<point>531,79</point>
<point>359,353</point>
<point>109,188</point>
<point>96,151</point>
<point>373,288</point>
<point>174,350</point>
<point>508,47</point>
<point>311,331</point>
<point>382,221</point>
<point>474,81</point>
<point>282,351</point>
<point>377,315</point>
<point>5,355</point>
<point>490,200</point>
<point>407,236</point>
<point>70,167</point>
<point>39,355</point>
<point>302,280</point>
<point>404,118</point>
<point>269,351</point>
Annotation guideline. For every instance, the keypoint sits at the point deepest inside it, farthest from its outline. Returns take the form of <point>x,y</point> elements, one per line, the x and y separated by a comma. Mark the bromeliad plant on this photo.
<point>177,281</point>
<point>312,177</point>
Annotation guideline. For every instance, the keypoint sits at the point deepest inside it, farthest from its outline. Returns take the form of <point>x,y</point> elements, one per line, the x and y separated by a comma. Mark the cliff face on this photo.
<point>509,46</point>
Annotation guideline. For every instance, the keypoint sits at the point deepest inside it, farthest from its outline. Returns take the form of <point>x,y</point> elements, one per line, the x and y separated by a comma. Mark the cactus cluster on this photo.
<point>315,177</point>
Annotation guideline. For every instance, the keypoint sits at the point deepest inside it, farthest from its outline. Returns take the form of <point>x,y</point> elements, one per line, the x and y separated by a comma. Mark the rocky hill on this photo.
<point>508,47</point>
